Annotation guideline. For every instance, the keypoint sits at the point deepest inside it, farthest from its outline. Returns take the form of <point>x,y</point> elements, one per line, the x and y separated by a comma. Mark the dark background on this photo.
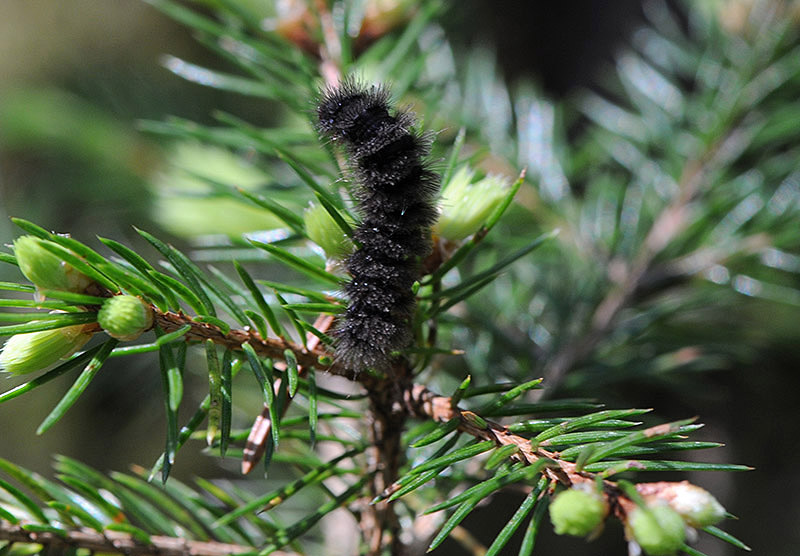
<point>104,56</point>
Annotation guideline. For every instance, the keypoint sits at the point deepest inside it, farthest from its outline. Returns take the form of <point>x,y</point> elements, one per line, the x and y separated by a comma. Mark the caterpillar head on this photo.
<point>339,108</point>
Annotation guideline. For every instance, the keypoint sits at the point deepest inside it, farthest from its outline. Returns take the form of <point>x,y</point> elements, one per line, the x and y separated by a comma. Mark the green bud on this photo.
<point>125,317</point>
<point>34,351</point>
<point>45,269</point>
<point>578,511</point>
<point>466,206</point>
<point>323,230</point>
<point>658,529</point>
<point>695,505</point>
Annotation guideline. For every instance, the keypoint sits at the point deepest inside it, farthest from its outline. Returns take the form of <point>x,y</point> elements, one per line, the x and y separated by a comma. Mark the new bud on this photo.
<point>578,511</point>
<point>696,505</point>
<point>45,269</point>
<point>34,351</point>
<point>658,529</point>
<point>125,317</point>
<point>465,206</point>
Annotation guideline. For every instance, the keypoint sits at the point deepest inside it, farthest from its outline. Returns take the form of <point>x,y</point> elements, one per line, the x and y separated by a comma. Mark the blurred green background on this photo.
<point>75,77</point>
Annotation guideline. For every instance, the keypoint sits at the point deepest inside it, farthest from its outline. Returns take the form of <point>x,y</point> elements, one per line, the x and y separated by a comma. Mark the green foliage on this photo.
<point>617,256</point>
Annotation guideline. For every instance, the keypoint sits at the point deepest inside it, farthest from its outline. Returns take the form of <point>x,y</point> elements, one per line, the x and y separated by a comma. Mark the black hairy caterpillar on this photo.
<point>394,191</point>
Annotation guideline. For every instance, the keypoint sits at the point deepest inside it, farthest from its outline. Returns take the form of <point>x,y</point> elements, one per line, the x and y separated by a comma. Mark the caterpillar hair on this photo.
<point>394,192</point>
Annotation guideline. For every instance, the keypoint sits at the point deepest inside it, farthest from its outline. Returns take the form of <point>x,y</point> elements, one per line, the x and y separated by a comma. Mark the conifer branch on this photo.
<point>632,277</point>
<point>689,204</point>
<point>423,403</point>
<point>393,400</point>
<point>113,542</point>
<point>265,347</point>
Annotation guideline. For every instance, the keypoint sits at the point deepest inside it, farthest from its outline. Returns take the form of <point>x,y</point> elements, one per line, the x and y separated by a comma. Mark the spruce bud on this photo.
<point>45,269</point>
<point>658,529</point>
<point>465,206</point>
<point>125,317</point>
<point>696,505</point>
<point>34,351</point>
<point>578,511</point>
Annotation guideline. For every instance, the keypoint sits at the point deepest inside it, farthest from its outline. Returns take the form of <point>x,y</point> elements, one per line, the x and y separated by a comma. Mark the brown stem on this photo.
<point>422,403</point>
<point>264,347</point>
<point>392,401</point>
<point>386,420</point>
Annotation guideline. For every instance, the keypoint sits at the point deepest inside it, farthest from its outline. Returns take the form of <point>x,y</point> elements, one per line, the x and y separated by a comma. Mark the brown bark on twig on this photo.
<point>387,416</point>
<point>264,347</point>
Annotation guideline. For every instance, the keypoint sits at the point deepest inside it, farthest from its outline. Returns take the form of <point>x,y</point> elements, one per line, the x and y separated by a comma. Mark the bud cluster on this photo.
<point>658,525</point>
<point>124,317</point>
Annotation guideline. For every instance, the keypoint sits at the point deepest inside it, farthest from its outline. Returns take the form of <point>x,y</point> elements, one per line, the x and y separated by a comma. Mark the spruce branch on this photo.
<point>631,278</point>
<point>406,400</point>
<point>273,348</point>
<point>377,466</point>
<point>114,542</point>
